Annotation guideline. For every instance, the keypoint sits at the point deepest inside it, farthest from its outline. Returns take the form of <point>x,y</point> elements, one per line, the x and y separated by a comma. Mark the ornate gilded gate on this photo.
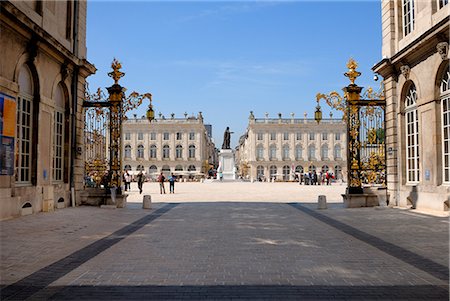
<point>365,118</point>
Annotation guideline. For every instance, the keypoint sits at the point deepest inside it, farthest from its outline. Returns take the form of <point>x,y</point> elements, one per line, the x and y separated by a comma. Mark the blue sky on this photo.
<point>226,59</point>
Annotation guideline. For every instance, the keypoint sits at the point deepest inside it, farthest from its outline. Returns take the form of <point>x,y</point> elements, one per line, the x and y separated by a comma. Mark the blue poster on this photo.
<point>6,155</point>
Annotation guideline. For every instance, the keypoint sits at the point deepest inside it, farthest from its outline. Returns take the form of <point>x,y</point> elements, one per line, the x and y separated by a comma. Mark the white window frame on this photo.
<point>408,16</point>
<point>412,138</point>
<point>259,152</point>
<point>179,152</point>
<point>299,136</point>
<point>24,144</point>
<point>285,136</point>
<point>273,136</point>
<point>58,146</point>
<point>192,136</point>
<point>179,136</point>
<point>259,136</point>
<point>442,3</point>
<point>166,152</point>
<point>324,152</point>
<point>166,136</point>
<point>298,153</point>
<point>272,152</point>
<point>127,136</point>
<point>153,151</point>
<point>192,149</point>
<point>324,136</point>
<point>337,136</point>
<point>140,136</point>
<point>445,107</point>
<point>127,151</point>
<point>286,152</point>
<point>140,151</point>
<point>152,136</point>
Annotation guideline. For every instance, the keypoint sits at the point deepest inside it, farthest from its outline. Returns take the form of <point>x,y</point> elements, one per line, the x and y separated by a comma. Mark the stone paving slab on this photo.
<point>225,251</point>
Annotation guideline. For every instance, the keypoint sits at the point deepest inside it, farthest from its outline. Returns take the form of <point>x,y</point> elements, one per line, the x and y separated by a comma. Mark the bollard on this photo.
<point>147,202</point>
<point>322,202</point>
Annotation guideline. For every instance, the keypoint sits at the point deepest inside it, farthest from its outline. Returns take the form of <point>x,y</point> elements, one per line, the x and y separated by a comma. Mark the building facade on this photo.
<point>180,145</point>
<point>415,67</point>
<point>280,147</point>
<point>42,77</point>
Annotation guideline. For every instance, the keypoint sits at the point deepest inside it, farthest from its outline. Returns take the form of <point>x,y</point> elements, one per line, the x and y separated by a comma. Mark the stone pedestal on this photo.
<point>226,164</point>
<point>322,202</point>
<point>360,200</point>
<point>147,202</point>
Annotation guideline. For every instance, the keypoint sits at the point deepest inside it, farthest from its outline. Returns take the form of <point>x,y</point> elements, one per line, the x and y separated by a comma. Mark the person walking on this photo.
<point>172,179</point>
<point>140,180</point>
<point>127,178</point>
<point>161,179</point>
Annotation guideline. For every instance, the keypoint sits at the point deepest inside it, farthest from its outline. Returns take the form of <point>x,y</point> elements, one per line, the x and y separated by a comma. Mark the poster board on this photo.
<point>7,133</point>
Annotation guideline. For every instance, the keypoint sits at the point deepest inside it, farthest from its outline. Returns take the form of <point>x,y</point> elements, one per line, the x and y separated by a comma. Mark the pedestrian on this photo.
<point>220,176</point>
<point>140,180</point>
<point>161,179</point>
<point>172,179</point>
<point>127,178</point>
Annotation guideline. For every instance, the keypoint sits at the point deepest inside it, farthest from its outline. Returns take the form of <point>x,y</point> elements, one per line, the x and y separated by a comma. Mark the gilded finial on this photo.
<point>116,74</point>
<point>352,74</point>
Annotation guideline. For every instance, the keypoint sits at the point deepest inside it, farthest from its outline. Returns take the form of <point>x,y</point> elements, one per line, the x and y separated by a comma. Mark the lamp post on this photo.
<point>318,113</point>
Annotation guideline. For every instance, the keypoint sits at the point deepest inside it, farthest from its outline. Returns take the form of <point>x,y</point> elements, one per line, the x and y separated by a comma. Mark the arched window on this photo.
<point>337,152</point>
<point>259,152</point>
<point>153,169</point>
<point>127,167</point>
<point>273,152</point>
<point>445,100</point>
<point>166,169</point>
<point>140,151</point>
<point>191,168</point>
<point>58,133</point>
<point>24,133</point>
<point>140,168</point>
<point>179,152</point>
<point>191,151</point>
<point>312,168</point>
<point>259,172</point>
<point>298,152</point>
<point>338,172</point>
<point>153,150</point>
<point>127,151</point>
<point>178,168</point>
<point>286,155</point>
<point>312,152</point>
<point>324,152</point>
<point>166,152</point>
<point>412,136</point>
<point>325,168</point>
<point>299,169</point>
<point>272,171</point>
<point>286,172</point>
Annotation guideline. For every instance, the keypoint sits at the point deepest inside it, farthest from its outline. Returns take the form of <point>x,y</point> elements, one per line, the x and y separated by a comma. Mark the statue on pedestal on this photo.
<point>226,139</point>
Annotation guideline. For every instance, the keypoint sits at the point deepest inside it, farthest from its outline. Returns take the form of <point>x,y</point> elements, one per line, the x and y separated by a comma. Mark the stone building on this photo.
<point>179,145</point>
<point>280,147</point>
<point>42,76</point>
<point>415,67</point>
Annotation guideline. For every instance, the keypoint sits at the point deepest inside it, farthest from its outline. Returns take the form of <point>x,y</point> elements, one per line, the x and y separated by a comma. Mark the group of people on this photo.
<point>140,179</point>
<point>314,178</point>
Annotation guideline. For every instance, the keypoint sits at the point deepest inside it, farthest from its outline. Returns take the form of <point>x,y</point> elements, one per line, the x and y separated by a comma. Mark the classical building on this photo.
<point>42,78</point>
<point>180,145</point>
<point>415,67</point>
<point>280,147</point>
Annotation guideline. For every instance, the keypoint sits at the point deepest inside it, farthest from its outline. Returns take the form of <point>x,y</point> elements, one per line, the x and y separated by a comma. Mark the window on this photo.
<point>442,3</point>
<point>127,167</point>
<point>68,20</point>
<point>299,136</point>
<point>286,172</point>
<point>166,152</point>
<point>338,172</point>
<point>191,151</point>
<point>179,136</point>
<point>178,152</point>
<point>166,136</point>
<point>273,152</point>
<point>140,168</point>
<point>259,172</point>
<point>153,151</point>
<point>325,168</point>
<point>312,168</point>
<point>298,152</point>
<point>58,137</point>
<point>337,152</point>
<point>408,16</point>
<point>153,136</point>
<point>311,152</point>
<point>127,136</point>
<point>337,136</point>
<point>299,169</point>
<point>140,136</point>
<point>178,168</point>
<point>153,169</point>
<point>259,152</point>
<point>324,152</point>
<point>191,168</point>
<point>445,100</point>
<point>191,136</point>
<point>24,126</point>
<point>286,152</point>
<point>412,136</point>
<point>324,136</point>
<point>273,136</point>
<point>259,136</point>
<point>312,136</point>
<point>285,136</point>
<point>273,171</point>
<point>140,151</point>
<point>127,151</point>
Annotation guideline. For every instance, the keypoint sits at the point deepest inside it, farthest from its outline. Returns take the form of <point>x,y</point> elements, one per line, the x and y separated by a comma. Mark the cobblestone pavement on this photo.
<point>225,251</point>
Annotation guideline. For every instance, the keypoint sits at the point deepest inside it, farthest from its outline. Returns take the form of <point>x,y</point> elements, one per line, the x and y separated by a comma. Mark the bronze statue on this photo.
<point>226,139</point>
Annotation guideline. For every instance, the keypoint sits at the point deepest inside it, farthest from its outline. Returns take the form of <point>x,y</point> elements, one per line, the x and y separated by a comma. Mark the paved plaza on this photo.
<point>226,241</point>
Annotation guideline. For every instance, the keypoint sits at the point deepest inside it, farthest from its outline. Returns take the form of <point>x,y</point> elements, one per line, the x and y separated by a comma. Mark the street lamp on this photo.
<point>318,113</point>
<point>150,113</point>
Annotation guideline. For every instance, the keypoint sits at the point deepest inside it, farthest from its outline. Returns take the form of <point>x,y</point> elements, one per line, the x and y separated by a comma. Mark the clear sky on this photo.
<point>226,59</point>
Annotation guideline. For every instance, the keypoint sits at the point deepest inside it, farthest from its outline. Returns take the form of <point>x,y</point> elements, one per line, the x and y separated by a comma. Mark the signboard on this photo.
<point>7,134</point>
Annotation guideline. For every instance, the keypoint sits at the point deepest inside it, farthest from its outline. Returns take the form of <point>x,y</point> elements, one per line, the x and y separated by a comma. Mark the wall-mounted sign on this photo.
<point>7,133</point>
